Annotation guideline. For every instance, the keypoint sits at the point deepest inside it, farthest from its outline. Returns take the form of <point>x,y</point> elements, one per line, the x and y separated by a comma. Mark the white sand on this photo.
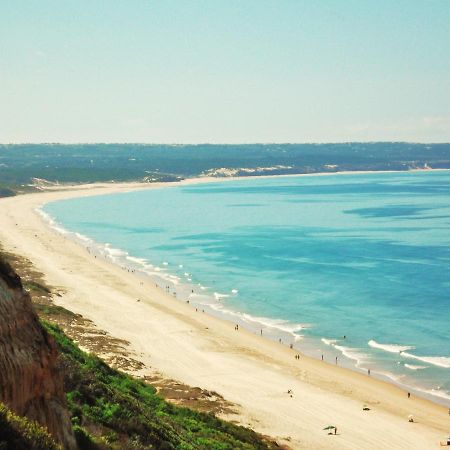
<point>199,350</point>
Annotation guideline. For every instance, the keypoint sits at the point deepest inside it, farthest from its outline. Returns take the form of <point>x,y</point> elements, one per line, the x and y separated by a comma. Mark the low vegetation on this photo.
<point>111,410</point>
<point>19,433</point>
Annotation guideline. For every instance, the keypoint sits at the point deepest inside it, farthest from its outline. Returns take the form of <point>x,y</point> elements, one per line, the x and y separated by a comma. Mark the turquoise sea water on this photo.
<point>308,260</point>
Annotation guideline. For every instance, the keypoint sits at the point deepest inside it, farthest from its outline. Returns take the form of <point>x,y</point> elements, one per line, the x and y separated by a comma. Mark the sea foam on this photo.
<point>391,348</point>
<point>439,361</point>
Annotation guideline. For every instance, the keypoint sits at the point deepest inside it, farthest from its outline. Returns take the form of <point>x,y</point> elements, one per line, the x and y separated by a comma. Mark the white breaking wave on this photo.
<point>83,238</point>
<point>234,291</point>
<point>439,361</point>
<point>435,392</point>
<point>353,353</point>
<point>280,324</point>
<point>391,348</point>
<point>219,296</point>
<point>51,222</point>
<point>329,341</point>
<point>263,322</point>
<point>413,367</point>
<point>140,261</point>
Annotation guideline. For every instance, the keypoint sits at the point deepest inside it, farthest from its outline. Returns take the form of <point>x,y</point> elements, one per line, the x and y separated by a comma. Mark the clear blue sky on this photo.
<point>192,71</point>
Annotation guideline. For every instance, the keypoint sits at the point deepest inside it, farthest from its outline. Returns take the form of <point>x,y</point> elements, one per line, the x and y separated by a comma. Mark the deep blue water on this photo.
<point>305,259</point>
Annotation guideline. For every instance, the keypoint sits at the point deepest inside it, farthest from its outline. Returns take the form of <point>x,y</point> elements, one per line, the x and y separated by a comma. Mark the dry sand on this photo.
<point>171,337</point>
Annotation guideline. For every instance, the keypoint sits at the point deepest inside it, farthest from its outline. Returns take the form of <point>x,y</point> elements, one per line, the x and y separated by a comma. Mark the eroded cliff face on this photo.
<point>30,382</point>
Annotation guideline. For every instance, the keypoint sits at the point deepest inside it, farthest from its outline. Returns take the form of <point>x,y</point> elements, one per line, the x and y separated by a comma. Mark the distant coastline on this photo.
<point>210,179</point>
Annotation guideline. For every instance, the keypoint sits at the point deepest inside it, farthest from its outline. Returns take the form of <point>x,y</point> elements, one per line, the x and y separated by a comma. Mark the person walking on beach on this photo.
<point>336,359</point>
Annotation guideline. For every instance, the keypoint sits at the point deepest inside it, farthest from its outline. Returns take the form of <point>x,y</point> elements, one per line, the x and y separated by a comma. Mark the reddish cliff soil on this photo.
<point>30,382</point>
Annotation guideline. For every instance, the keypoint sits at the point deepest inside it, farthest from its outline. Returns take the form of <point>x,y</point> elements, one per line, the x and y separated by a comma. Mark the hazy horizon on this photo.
<point>232,72</point>
<point>224,143</point>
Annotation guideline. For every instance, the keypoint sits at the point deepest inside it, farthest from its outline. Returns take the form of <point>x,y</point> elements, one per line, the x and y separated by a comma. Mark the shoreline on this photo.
<point>311,347</point>
<point>209,179</point>
<point>202,350</point>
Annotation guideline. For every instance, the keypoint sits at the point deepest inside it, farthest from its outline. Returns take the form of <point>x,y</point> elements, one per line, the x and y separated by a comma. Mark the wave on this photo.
<point>439,361</point>
<point>413,367</point>
<point>354,354</point>
<point>113,253</point>
<point>437,392</point>
<point>141,261</point>
<point>280,324</point>
<point>51,221</point>
<point>329,341</point>
<point>116,255</point>
<point>263,322</point>
<point>391,348</point>
<point>219,296</point>
<point>234,291</point>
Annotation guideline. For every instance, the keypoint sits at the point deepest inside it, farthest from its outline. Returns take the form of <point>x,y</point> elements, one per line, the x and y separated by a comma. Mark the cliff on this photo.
<point>31,384</point>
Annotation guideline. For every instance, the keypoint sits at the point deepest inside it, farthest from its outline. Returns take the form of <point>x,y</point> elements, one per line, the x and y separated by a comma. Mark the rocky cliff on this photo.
<point>30,382</point>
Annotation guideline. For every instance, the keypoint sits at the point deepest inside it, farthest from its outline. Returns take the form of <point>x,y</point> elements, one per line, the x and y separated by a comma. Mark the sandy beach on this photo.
<point>169,336</point>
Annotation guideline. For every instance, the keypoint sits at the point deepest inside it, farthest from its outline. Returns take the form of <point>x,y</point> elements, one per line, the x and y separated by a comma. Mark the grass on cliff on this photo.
<point>111,410</point>
<point>19,433</point>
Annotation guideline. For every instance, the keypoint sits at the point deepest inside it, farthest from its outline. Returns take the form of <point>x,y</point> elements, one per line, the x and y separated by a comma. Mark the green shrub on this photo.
<point>19,433</point>
<point>84,440</point>
<point>110,403</point>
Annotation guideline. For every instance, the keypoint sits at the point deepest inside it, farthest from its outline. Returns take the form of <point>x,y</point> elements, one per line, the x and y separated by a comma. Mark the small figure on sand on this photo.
<point>336,359</point>
<point>409,394</point>
<point>322,357</point>
<point>368,372</point>
<point>261,332</point>
<point>236,327</point>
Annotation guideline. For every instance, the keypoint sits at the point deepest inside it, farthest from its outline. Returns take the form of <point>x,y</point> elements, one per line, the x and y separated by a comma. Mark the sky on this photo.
<point>224,71</point>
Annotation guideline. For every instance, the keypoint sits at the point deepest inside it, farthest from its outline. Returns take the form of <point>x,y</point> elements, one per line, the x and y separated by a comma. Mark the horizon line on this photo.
<point>173,144</point>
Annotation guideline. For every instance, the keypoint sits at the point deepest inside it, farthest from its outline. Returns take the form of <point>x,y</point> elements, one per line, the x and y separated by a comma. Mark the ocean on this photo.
<point>350,266</point>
